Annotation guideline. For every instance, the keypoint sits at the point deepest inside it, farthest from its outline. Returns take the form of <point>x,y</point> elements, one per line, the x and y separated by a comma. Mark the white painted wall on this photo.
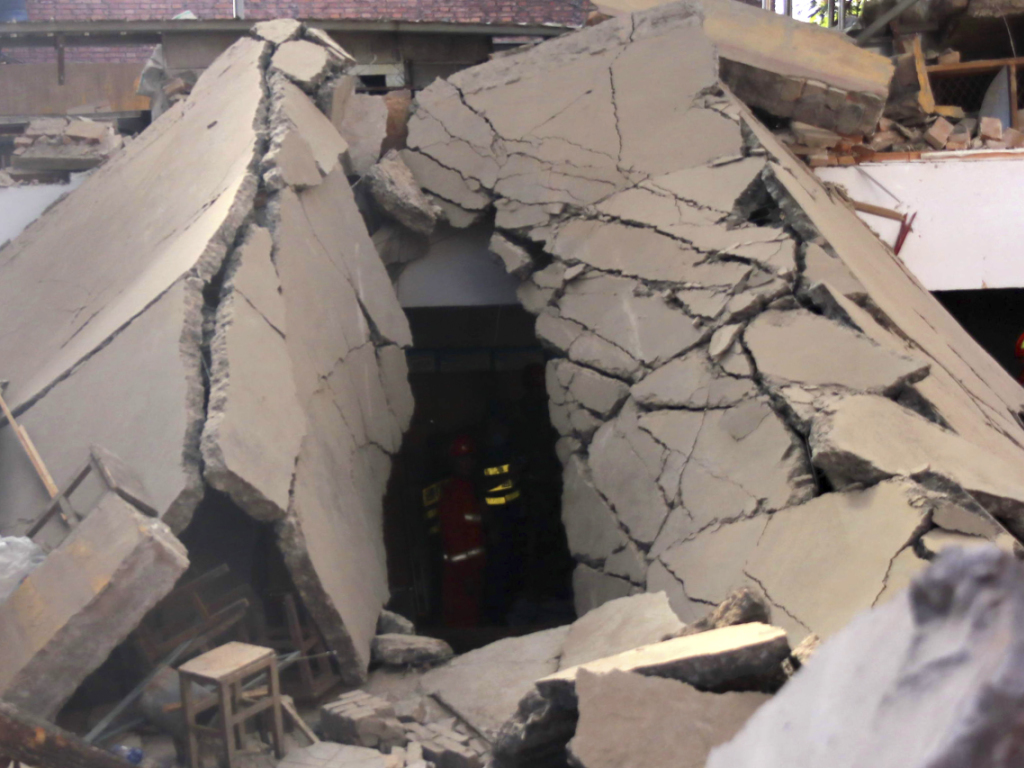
<point>20,206</point>
<point>458,271</point>
<point>969,230</point>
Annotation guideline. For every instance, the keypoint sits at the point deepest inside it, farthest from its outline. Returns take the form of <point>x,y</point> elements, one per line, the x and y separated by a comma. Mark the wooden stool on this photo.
<point>228,667</point>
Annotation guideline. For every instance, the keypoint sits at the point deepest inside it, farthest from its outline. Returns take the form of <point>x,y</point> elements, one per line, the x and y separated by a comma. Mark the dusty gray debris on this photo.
<point>399,196</point>
<point>627,719</point>
<point>391,623</point>
<point>928,679</point>
<point>19,556</point>
<point>403,650</point>
<point>742,606</point>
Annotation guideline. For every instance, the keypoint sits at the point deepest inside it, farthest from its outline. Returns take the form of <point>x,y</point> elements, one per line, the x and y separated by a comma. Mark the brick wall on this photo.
<point>569,12</point>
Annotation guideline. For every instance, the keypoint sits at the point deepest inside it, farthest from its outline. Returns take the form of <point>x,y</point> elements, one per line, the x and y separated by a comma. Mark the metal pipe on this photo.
<point>885,18</point>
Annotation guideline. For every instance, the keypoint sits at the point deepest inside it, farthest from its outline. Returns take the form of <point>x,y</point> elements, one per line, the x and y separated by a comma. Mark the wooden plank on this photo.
<point>28,739</point>
<point>974,67</point>
<point>925,97</point>
<point>951,111</point>
<point>289,709</point>
<point>877,210</point>
<point>30,450</point>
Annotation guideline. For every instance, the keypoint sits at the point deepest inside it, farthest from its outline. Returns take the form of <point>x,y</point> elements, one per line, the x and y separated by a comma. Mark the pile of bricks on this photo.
<point>361,719</point>
<point>51,146</point>
<point>893,141</point>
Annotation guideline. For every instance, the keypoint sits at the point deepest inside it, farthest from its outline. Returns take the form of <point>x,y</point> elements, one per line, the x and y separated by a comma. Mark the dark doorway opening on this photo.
<point>995,319</point>
<point>481,430</point>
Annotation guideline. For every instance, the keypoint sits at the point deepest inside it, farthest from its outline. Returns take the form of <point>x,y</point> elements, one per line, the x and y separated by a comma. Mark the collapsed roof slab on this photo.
<point>225,322</point>
<point>692,207</point>
<point>787,67</point>
<point>72,285</point>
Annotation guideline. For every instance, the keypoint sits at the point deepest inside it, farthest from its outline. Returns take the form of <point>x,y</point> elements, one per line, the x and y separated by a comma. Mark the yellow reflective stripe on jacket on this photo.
<point>499,500</point>
<point>506,486</point>
<point>500,470</point>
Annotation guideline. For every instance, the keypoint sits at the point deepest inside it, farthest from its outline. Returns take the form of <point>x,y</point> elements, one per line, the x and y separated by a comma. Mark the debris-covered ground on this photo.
<point>767,426</point>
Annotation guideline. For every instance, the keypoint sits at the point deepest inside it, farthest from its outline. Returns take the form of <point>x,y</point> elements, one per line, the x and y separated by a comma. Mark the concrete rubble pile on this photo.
<point>751,390</point>
<point>766,424</point>
<point>519,701</point>
<point>49,146</point>
<point>222,321</point>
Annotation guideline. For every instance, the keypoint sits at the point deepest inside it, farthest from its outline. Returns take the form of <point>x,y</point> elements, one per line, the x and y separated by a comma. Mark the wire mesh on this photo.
<point>966,91</point>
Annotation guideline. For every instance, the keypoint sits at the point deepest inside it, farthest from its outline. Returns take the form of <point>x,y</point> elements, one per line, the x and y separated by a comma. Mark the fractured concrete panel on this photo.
<point>69,613</point>
<point>140,223</point>
<point>254,423</point>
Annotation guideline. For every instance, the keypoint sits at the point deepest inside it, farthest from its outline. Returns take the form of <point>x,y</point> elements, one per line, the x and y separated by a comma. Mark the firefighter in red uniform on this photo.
<point>462,535</point>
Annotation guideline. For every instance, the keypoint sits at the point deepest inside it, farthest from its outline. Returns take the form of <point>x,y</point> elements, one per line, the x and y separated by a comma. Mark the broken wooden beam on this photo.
<point>34,741</point>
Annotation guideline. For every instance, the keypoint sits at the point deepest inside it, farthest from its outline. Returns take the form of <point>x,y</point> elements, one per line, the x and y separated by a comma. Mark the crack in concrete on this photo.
<point>773,602</point>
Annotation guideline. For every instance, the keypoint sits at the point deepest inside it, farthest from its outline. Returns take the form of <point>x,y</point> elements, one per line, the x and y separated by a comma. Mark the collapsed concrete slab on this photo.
<point>627,719</point>
<point>928,679</point>
<point>136,247</point>
<point>72,610</point>
<point>239,332</point>
<point>740,658</point>
<point>720,285</point>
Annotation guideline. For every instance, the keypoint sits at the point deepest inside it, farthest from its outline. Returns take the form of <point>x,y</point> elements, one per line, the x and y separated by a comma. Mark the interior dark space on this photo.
<point>476,547</point>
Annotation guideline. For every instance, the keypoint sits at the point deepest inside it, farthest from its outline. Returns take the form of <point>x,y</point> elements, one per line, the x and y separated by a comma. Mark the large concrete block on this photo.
<point>69,614</point>
<point>631,720</point>
<point>930,678</point>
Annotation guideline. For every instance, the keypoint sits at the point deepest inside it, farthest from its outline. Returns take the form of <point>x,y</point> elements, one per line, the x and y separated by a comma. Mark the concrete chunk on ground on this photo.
<point>743,657</point>
<point>620,625</point>
<point>736,658</point>
<point>805,348</point>
<point>397,193</point>
<point>484,686</point>
<point>401,650</point>
<point>631,721</point>
<point>912,683</point>
<point>71,611</point>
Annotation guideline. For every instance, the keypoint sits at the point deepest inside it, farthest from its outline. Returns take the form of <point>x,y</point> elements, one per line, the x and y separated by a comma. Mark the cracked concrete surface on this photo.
<point>226,322</point>
<point>712,313</point>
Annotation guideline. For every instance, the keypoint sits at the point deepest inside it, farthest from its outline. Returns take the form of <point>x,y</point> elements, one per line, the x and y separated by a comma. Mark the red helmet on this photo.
<point>463,445</point>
